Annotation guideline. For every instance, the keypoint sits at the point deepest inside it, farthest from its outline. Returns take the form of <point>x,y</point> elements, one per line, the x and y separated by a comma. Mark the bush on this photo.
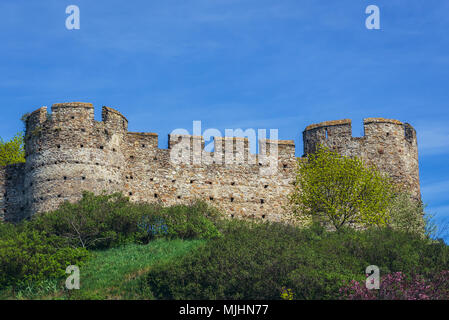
<point>260,260</point>
<point>29,255</point>
<point>398,286</point>
<point>407,214</point>
<point>103,221</point>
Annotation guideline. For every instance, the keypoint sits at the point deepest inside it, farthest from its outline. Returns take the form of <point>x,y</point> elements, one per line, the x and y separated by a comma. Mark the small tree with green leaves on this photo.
<point>407,214</point>
<point>12,151</point>
<point>340,191</point>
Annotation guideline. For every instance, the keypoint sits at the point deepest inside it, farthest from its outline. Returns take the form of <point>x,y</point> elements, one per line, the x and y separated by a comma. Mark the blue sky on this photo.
<point>237,64</point>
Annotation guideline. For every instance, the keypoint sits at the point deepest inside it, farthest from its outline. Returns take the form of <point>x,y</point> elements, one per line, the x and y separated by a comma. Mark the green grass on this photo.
<point>115,273</point>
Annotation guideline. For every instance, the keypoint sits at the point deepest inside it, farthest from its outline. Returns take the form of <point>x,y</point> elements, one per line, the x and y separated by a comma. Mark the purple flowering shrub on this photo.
<point>398,286</point>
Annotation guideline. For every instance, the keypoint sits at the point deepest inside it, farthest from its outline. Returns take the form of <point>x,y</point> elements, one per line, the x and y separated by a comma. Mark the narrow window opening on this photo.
<point>232,199</point>
<point>155,195</point>
<point>262,201</point>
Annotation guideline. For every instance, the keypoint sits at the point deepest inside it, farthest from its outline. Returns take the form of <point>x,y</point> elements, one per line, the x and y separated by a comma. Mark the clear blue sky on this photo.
<point>237,63</point>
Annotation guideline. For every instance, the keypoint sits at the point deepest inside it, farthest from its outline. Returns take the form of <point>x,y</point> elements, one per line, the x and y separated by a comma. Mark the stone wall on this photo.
<point>67,151</point>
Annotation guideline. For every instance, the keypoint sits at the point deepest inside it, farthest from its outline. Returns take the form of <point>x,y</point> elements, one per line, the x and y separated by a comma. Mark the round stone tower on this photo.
<point>68,152</point>
<point>388,144</point>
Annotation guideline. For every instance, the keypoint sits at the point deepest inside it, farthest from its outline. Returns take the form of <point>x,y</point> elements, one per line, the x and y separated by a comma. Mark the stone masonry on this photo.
<point>67,151</point>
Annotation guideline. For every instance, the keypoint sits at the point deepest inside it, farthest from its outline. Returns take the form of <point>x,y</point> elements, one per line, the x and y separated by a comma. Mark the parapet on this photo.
<point>113,119</point>
<point>36,118</point>
<point>343,122</point>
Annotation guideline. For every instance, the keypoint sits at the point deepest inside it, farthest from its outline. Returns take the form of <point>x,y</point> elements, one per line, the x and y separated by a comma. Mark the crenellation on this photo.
<point>68,152</point>
<point>387,144</point>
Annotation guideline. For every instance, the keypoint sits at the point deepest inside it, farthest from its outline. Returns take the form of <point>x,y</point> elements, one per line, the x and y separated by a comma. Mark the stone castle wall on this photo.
<point>67,151</point>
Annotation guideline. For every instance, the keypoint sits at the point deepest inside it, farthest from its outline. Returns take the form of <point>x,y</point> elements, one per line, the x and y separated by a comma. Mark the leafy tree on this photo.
<point>12,151</point>
<point>341,191</point>
<point>407,214</point>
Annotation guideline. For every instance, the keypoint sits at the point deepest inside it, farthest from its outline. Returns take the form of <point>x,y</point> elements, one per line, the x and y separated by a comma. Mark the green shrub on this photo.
<point>29,255</point>
<point>103,221</point>
<point>260,260</point>
<point>407,214</point>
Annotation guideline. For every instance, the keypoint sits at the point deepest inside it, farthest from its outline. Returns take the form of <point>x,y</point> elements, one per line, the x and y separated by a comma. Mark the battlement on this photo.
<point>388,144</point>
<point>371,126</point>
<point>67,151</point>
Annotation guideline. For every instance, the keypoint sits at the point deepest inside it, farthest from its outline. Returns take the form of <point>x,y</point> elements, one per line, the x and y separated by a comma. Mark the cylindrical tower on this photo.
<point>388,144</point>
<point>68,152</point>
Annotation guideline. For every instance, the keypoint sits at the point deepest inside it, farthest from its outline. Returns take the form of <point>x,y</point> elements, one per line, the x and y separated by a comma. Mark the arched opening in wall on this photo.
<point>263,216</point>
<point>232,199</point>
<point>156,195</point>
<point>325,130</point>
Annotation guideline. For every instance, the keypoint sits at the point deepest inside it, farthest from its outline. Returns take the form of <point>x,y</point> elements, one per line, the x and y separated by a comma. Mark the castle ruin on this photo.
<point>67,152</point>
